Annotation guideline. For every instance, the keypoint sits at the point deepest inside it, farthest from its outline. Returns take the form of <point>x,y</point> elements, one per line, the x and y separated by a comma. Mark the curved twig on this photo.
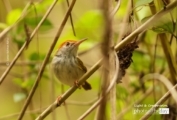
<point>126,109</point>
<point>171,91</point>
<point>146,25</point>
<point>128,39</point>
<point>113,81</point>
<point>165,81</point>
<point>116,8</point>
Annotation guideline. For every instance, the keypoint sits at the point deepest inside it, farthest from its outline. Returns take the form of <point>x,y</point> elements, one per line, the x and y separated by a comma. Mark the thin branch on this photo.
<point>113,82</point>
<point>22,63</point>
<point>106,52</point>
<point>169,56</point>
<point>113,95</point>
<point>147,93</point>
<point>163,98</point>
<point>67,112</point>
<point>166,48</point>
<point>165,81</point>
<point>128,39</point>
<point>65,105</point>
<point>112,69</point>
<point>125,20</point>
<point>114,66</point>
<point>7,5</point>
<point>24,46</point>
<point>11,116</point>
<point>26,43</point>
<point>146,25</point>
<point>71,20</point>
<point>81,103</point>
<point>24,13</point>
<point>47,57</point>
<point>69,92</point>
<point>116,8</point>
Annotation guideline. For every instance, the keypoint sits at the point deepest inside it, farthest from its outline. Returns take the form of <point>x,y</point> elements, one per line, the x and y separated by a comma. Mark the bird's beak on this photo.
<point>80,41</point>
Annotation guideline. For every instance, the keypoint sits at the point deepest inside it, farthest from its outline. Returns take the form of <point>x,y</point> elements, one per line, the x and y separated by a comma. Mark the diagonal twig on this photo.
<point>165,81</point>
<point>113,81</point>
<point>68,93</point>
<point>128,39</point>
<point>71,20</point>
<point>171,91</point>
<point>25,44</point>
<point>146,25</point>
<point>46,58</point>
<point>139,101</point>
<point>24,13</point>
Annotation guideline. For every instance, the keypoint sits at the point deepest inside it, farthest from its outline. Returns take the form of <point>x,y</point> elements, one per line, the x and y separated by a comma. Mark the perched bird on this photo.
<point>67,67</point>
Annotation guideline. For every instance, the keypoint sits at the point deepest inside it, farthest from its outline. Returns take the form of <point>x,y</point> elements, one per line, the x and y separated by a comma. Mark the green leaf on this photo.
<point>24,83</point>
<point>139,60</point>
<point>91,19</point>
<point>18,81</point>
<point>19,42</point>
<point>3,26</point>
<point>166,27</point>
<point>13,16</point>
<point>162,26</point>
<point>19,96</point>
<point>123,93</point>
<point>89,24</point>
<point>44,5</point>
<point>33,21</point>
<point>142,2</point>
<point>34,56</point>
<point>28,83</point>
<point>145,19</point>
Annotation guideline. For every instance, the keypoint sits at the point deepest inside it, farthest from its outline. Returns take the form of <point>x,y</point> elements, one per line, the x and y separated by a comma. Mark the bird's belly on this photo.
<point>67,73</point>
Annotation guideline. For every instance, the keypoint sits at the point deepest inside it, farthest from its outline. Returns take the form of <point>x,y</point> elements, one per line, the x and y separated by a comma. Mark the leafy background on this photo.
<point>88,23</point>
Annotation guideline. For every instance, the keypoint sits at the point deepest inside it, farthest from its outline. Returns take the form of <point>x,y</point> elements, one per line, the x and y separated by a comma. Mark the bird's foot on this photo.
<point>76,84</point>
<point>59,101</point>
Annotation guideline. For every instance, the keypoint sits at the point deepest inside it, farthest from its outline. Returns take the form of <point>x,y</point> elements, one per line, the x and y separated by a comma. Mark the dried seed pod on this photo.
<point>125,58</point>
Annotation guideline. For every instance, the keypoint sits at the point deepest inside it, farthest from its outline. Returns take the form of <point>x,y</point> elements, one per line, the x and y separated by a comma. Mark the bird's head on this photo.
<point>69,47</point>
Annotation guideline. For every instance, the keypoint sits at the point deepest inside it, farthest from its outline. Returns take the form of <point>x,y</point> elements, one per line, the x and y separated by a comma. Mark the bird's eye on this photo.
<point>67,44</point>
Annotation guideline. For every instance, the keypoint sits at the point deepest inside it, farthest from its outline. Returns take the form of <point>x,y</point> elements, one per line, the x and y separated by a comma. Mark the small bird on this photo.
<point>66,65</point>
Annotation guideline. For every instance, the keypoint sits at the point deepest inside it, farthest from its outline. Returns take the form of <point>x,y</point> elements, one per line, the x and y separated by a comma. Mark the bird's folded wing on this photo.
<point>81,65</point>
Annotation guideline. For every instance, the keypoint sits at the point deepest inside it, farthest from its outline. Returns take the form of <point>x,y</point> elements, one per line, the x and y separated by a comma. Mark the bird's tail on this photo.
<point>86,86</point>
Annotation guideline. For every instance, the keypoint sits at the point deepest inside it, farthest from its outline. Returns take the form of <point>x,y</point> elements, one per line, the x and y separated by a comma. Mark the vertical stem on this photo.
<point>105,47</point>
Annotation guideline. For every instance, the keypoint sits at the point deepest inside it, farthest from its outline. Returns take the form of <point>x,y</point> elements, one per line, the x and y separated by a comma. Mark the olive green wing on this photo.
<point>85,85</point>
<point>81,65</point>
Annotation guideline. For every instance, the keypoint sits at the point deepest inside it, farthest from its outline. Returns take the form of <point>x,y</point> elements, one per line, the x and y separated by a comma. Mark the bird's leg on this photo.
<point>76,84</point>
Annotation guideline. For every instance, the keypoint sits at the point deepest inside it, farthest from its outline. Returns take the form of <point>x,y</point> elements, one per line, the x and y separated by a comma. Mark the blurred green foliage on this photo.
<point>89,25</point>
